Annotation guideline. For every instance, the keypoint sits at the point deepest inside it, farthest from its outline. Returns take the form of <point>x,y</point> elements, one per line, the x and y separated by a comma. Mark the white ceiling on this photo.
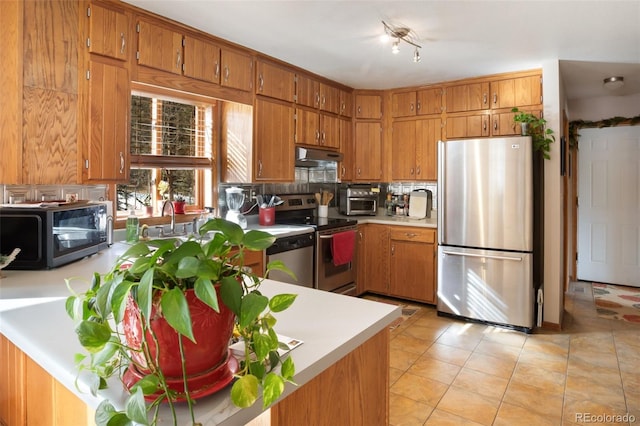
<point>339,39</point>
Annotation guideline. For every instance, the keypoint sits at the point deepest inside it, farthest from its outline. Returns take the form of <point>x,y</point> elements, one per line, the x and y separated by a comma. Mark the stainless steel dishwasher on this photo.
<point>297,253</point>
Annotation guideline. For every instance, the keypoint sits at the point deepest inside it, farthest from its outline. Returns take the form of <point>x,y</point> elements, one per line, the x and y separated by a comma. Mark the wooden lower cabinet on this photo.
<point>412,265</point>
<point>398,261</point>
<point>30,396</point>
<point>353,391</point>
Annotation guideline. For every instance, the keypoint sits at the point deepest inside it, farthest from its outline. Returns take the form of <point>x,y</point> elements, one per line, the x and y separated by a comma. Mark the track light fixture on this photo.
<point>397,34</point>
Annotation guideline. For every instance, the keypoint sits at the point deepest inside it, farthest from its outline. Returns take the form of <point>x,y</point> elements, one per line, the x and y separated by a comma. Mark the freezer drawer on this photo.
<point>486,285</point>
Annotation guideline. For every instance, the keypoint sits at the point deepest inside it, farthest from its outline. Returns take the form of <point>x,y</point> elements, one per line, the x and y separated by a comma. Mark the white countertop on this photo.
<point>33,317</point>
<point>382,219</point>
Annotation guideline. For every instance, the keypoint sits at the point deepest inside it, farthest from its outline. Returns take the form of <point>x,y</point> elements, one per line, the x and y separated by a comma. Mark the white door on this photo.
<point>609,205</point>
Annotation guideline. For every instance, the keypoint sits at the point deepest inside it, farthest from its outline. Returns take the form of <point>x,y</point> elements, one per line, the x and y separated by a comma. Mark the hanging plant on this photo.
<point>576,125</point>
<point>534,126</point>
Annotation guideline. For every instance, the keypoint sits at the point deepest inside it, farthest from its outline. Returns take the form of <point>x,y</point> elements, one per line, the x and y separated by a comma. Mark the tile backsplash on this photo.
<point>19,193</point>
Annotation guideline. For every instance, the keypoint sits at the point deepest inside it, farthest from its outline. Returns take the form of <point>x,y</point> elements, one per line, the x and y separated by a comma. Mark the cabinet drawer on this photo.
<point>413,234</point>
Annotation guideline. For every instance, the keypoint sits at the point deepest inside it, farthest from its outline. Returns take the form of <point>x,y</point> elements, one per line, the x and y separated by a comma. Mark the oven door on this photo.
<point>362,206</point>
<point>330,277</point>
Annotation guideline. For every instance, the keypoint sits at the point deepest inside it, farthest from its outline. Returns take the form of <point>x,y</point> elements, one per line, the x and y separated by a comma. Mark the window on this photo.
<point>171,155</point>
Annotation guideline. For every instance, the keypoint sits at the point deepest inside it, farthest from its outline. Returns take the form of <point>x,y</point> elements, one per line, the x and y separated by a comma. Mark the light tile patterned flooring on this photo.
<point>450,372</point>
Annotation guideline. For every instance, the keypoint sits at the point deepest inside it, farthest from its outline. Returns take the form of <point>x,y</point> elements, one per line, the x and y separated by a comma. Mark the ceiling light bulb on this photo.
<point>613,83</point>
<point>395,48</point>
<point>416,56</point>
<point>384,38</point>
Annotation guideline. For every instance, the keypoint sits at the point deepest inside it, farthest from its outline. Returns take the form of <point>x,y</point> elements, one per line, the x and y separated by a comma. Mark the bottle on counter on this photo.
<point>133,227</point>
<point>388,205</point>
<point>405,198</point>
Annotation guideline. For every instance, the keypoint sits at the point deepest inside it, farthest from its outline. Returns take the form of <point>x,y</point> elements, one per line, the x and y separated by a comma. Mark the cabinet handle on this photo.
<point>344,171</point>
<point>122,43</point>
<point>484,125</point>
<point>226,73</point>
<point>411,171</point>
<point>259,167</point>
<point>121,162</point>
<point>418,170</point>
<point>324,100</point>
<point>261,82</point>
<point>418,105</point>
<point>359,109</point>
<point>318,136</point>
<point>484,98</point>
<point>217,74</point>
<point>359,171</point>
<point>411,107</point>
<point>495,125</point>
<point>178,59</point>
<point>393,249</point>
<point>495,98</point>
<point>317,99</point>
<point>410,234</point>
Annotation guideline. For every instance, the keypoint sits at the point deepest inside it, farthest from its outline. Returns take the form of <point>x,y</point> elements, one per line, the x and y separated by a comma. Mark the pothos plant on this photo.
<point>536,128</point>
<point>156,275</point>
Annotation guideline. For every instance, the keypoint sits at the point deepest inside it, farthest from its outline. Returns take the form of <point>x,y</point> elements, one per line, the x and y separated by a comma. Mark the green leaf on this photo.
<point>257,369</point>
<point>93,335</point>
<point>107,353</point>
<point>244,391</point>
<point>206,292</point>
<point>288,369</point>
<point>272,389</point>
<point>278,265</point>
<point>136,409</point>
<point>188,267</point>
<point>104,413</point>
<point>261,345</point>
<point>145,294</point>
<point>252,305</point>
<point>258,240</point>
<point>231,294</point>
<point>69,306</point>
<point>176,311</point>
<point>232,231</point>
<point>148,384</point>
<point>280,302</point>
<point>102,306</point>
<point>118,299</point>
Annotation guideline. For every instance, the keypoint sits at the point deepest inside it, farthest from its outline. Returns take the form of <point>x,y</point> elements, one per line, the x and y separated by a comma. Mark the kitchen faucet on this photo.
<point>173,215</point>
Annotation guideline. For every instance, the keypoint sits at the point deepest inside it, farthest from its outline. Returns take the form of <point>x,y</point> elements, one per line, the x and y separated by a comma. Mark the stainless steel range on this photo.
<point>300,209</point>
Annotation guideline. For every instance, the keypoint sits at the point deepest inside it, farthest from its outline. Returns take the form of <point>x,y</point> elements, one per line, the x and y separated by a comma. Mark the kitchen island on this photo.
<point>341,368</point>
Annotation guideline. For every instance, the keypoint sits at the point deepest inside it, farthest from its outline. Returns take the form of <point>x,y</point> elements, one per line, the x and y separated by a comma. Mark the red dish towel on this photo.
<point>342,245</point>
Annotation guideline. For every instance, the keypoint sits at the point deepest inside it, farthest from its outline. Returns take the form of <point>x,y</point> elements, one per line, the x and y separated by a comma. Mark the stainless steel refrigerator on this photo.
<point>485,230</point>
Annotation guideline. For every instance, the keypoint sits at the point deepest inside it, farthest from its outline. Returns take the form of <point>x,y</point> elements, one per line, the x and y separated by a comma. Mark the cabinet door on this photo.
<point>307,91</point>
<point>108,32</point>
<point>275,81</point>
<point>368,151</point>
<point>107,150</point>
<point>274,146</point>
<point>346,104</point>
<point>159,47</point>
<point>467,126</point>
<point>428,133</point>
<point>403,104</point>
<point>237,70</point>
<point>329,98</point>
<point>347,149</point>
<point>368,106</point>
<point>429,101</point>
<point>503,124</point>
<point>373,258</point>
<point>201,60</point>
<point>468,97</point>
<point>307,127</point>
<point>412,264</point>
<point>329,131</point>
<point>403,150</point>
<point>519,91</point>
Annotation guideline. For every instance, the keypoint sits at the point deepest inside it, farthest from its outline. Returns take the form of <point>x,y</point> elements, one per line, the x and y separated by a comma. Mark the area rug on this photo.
<point>617,302</point>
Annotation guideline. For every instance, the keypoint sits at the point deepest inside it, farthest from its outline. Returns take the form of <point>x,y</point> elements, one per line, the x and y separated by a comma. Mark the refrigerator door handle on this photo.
<point>517,259</point>
<point>440,189</point>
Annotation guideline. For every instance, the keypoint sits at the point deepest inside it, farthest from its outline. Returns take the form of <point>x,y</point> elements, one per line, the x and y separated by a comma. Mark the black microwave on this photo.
<point>52,236</point>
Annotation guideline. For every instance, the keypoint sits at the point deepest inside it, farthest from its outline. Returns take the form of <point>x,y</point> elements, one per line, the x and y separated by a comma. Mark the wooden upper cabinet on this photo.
<point>329,98</point>
<point>468,97</point>
<point>429,101</point>
<point>274,146</point>
<point>346,103</point>
<point>159,47</point>
<point>107,151</point>
<point>307,91</point>
<point>467,126</point>
<point>502,124</point>
<point>403,150</point>
<point>275,81</point>
<point>347,150</point>
<point>237,69</point>
<point>520,91</point>
<point>368,151</point>
<point>428,133</point>
<point>403,104</point>
<point>307,126</point>
<point>201,59</point>
<point>369,107</point>
<point>108,32</point>
<point>329,131</point>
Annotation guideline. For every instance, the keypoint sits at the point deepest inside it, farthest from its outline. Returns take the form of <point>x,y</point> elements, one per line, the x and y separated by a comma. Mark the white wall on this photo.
<point>594,109</point>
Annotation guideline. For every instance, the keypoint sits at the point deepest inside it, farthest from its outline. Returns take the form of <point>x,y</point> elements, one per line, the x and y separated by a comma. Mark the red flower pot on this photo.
<point>208,363</point>
<point>178,207</point>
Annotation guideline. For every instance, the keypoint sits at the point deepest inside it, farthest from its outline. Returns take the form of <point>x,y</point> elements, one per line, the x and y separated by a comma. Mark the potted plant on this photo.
<point>178,204</point>
<point>163,284</point>
<point>534,126</point>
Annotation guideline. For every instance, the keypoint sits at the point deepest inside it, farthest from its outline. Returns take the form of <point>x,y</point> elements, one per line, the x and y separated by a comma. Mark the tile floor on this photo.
<point>449,372</point>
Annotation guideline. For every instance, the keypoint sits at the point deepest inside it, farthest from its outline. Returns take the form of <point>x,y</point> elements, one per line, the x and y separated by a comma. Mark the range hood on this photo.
<point>315,157</point>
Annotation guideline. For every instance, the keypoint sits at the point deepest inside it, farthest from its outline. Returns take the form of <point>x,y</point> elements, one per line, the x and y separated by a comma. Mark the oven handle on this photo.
<point>325,237</point>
